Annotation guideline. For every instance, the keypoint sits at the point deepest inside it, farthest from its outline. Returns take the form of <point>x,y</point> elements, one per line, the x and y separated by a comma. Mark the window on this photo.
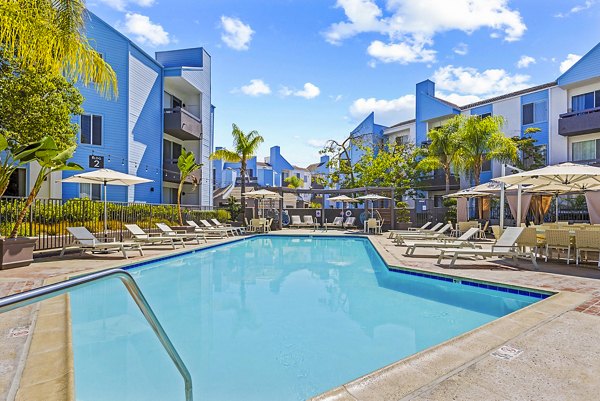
<point>90,191</point>
<point>91,129</point>
<point>306,178</point>
<point>298,175</point>
<point>585,101</point>
<point>438,201</point>
<point>585,150</point>
<point>402,140</point>
<point>17,184</point>
<point>486,165</point>
<point>169,195</point>
<point>484,115</point>
<point>535,112</point>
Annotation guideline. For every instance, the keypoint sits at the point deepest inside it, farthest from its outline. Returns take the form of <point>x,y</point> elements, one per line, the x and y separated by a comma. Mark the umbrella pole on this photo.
<point>105,212</point>
<point>556,206</point>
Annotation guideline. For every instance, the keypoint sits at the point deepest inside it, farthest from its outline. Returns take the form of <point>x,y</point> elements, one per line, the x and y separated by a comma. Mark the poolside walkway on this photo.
<point>554,342</point>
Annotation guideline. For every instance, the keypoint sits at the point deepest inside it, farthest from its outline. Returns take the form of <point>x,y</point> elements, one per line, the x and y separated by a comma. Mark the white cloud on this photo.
<point>309,91</point>
<point>461,49</point>
<point>236,34</point>
<point>402,53</point>
<point>568,62</point>
<point>121,5</point>
<point>457,99</point>
<point>470,81</point>
<point>316,143</point>
<point>525,61</point>
<point>386,111</point>
<point>578,8</point>
<point>256,87</point>
<point>410,25</point>
<point>144,30</point>
<point>336,98</point>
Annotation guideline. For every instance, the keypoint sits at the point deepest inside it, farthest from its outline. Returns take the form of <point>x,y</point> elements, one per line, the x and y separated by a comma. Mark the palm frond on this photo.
<point>226,155</point>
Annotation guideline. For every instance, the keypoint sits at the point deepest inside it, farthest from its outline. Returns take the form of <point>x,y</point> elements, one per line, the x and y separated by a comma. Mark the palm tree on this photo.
<point>443,149</point>
<point>481,139</point>
<point>187,165</point>
<point>245,146</point>
<point>49,34</point>
<point>294,182</point>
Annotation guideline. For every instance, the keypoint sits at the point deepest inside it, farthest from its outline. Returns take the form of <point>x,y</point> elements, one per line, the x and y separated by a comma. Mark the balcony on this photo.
<point>182,124</point>
<point>580,122</point>
<point>171,172</point>
<point>437,182</point>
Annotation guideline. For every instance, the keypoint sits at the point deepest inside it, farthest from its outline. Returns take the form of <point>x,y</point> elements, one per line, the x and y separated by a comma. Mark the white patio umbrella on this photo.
<point>372,198</point>
<point>344,199</point>
<point>559,178</point>
<point>262,194</point>
<point>106,177</point>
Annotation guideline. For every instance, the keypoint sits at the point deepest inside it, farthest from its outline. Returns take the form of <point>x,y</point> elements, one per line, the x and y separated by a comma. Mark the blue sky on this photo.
<point>304,71</point>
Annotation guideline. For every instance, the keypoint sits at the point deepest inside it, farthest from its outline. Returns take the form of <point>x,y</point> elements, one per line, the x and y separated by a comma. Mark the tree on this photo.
<point>187,165</point>
<point>245,146</point>
<point>481,139</point>
<point>294,182</point>
<point>50,158</point>
<point>340,160</point>
<point>443,149</point>
<point>530,156</point>
<point>49,34</point>
<point>36,102</point>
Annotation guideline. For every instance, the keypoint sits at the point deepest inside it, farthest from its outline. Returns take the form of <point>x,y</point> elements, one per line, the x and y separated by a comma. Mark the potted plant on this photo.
<point>18,251</point>
<point>402,216</point>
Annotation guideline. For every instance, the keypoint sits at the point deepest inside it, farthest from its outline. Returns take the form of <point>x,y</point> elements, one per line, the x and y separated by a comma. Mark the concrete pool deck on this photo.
<point>554,342</point>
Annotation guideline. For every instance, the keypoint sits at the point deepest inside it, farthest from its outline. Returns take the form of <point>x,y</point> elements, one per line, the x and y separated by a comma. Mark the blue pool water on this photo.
<point>268,318</point>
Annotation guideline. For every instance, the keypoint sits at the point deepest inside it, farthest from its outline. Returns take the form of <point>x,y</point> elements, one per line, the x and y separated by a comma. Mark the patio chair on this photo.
<point>268,225</point>
<point>423,227</point>
<point>587,241</point>
<point>249,227</point>
<point>86,241</point>
<point>297,222</point>
<point>338,222</point>
<point>504,247</point>
<point>529,239</point>
<point>497,231</point>
<point>481,234</point>
<point>394,233</point>
<point>462,241</point>
<point>237,230</point>
<point>559,240</point>
<point>309,221</point>
<point>372,225</point>
<point>220,231</point>
<point>210,231</point>
<point>184,235</point>
<point>145,238</point>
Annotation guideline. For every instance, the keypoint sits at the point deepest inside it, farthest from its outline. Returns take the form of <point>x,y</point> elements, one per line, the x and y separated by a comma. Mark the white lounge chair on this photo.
<point>395,233</point>
<point>411,236</point>
<point>338,222</point>
<point>462,241</point>
<point>423,227</point>
<point>209,229</point>
<point>309,221</point>
<point>184,235</point>
<point>506,246</point>
<point>297,222</point>
<point>143,237</point>
<point>349,223</point>
<point>236,230</point>
<point>86,241</point>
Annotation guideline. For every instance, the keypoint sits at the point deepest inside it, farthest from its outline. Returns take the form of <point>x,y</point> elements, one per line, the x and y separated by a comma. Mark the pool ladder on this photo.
<point>39,294</point>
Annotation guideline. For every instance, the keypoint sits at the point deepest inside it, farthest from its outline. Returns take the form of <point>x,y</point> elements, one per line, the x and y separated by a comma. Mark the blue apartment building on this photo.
<point>163,106</point>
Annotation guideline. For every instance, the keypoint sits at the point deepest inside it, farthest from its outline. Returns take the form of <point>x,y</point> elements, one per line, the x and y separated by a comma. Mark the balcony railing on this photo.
<point>437,182</point>
<point>579,122</point>
<point>182,124</point>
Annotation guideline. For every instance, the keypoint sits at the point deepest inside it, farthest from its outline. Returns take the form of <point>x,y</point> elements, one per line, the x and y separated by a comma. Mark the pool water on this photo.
<point>267,318</point>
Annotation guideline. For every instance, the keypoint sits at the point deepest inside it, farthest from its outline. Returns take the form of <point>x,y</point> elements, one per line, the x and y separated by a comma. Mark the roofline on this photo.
<point>412,120</point>
<point>577,62</point>
<point>509,95</point>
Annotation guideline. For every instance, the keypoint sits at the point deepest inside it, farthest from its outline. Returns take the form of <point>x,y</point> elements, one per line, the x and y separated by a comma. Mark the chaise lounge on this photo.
<point>86,241</point>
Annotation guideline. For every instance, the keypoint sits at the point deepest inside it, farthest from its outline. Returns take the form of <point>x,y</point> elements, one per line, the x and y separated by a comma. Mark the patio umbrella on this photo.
<point>106,177</point>
<point>262,194</point>
<point>372,198</point>
<point>344,199</point>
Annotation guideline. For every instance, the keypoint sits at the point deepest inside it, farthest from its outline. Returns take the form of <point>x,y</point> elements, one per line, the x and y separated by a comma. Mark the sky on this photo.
<point>301,72</point>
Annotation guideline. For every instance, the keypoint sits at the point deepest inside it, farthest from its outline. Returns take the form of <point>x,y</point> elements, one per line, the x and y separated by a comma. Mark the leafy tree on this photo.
<point>35,103</point>
<point>481,139</point>
<point>443,149</point>
<point>187,165</point>
<point>50,158</point>
<point>340,162</point>
<point>394,166</point>
<point>49,34</point>
<point>294,182</point>
<point>245,146</point>
<point>530,156</point>
<point>233,207</point>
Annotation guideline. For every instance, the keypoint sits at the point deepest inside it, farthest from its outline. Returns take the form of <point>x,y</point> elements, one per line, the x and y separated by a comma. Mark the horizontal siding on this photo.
<point>181,58</point>
<point>588,67</point>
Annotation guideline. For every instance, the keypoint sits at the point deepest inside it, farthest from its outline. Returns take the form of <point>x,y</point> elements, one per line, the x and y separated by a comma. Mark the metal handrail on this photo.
<point>49,291</point>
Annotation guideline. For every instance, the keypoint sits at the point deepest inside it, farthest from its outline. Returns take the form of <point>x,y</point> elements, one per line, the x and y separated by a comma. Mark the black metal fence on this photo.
<point>48,219</point>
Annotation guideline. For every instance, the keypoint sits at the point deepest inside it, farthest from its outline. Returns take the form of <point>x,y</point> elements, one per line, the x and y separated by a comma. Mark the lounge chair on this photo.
<point>506,246</point>
<point>395,233</point>
<point>236,230</point>
<point>209,229</point>
<point>462,241</point>
<point>349,223</point>
<point>145,238</point>
<point>86,241</point>
<point>423,227</point>
<point>206,231</point>
<point>411,236</point>
<point>309,221</point>
<point>184,235</point>
<point>338,222</point>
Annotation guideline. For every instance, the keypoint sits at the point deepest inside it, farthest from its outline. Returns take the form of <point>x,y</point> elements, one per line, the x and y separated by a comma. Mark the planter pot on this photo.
<point>403,225</point>
<point>16,252</point>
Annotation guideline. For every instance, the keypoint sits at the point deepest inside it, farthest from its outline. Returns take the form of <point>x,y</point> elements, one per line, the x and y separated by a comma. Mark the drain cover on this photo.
<point>18,332</point>
<point>507,353</point>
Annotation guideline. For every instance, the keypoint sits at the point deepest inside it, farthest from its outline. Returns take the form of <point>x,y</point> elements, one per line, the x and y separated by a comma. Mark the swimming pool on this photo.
<point>269,318</point>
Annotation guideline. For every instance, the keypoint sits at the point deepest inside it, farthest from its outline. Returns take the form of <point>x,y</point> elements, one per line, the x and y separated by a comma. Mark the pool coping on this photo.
<point>401,378</point>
